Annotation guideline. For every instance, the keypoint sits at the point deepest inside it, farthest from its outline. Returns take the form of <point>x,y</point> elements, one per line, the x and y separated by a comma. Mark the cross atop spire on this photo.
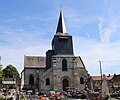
<point>60,6</point>
<point>61,24</point>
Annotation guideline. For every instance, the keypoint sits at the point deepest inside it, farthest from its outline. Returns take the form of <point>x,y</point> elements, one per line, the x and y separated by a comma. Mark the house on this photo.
<point>96,81</point>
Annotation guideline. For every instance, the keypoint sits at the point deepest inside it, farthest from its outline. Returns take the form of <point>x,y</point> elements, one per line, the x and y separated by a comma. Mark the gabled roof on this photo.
<point>61,28</point>
<point>116,78</point>
<point>98,78</point>
<point>34,62</point>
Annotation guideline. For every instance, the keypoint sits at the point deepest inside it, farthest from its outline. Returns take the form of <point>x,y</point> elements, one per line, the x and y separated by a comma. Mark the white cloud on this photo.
<point>109,24</point>
<point>16,56</point>
<point>93,51</point>
<point>105,50</point>
<point>19,42</point>
<point>33,43</point>
<point>107,28</point>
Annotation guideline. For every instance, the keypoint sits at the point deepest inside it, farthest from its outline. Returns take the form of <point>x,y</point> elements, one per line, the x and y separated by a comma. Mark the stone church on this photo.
<point>59,69</point>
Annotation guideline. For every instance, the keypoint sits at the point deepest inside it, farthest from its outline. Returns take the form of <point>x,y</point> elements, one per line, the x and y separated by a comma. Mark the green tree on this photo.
<point>0,72</point>
<point>10,71</point>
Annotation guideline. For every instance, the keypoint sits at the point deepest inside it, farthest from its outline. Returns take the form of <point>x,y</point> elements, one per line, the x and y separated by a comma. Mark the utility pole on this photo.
<point>100,71</point>
<point>101,77</point>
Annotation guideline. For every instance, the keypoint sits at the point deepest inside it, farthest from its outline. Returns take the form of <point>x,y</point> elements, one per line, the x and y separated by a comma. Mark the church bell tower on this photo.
<point>62,42</point>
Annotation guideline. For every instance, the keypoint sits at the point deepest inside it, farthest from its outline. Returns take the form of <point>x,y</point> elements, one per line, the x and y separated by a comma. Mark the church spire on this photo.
<point>61,24</point>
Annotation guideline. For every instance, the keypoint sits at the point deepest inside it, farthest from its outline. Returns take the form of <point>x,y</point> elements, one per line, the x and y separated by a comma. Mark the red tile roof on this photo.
<point>97,78</point>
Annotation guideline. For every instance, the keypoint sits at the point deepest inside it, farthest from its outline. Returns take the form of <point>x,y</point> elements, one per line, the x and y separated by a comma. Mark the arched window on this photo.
<point>31,80</point>
<point>81,80</point>
<point>47,81</point>
<point>64,65</point>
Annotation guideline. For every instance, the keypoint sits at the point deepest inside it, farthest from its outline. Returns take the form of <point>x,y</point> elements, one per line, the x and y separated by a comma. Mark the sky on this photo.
<point>27,28</point>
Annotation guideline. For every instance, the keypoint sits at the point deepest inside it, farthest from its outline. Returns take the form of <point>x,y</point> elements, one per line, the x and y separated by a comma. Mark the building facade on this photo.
<point>59,69</point>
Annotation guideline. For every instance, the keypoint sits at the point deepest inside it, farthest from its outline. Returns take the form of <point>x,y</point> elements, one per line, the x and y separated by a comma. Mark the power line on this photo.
<point>94,64</point>
<point>112,61</point>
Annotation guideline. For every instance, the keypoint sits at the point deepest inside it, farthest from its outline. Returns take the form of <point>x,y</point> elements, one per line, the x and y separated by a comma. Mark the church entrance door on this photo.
<point>65,83</point>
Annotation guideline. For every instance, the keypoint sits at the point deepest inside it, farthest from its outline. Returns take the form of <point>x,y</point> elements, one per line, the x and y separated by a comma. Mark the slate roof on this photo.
<point>34,62</point>
<point>67,56</point>
<point>61,24</point>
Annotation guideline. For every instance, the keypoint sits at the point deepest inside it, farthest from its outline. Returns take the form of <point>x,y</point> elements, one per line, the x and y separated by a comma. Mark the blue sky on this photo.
<point>28,26</point>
